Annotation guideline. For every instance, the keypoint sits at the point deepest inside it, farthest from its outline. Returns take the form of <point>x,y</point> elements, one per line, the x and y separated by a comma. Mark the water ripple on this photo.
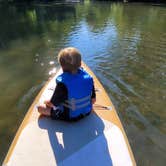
<point>28,95</point>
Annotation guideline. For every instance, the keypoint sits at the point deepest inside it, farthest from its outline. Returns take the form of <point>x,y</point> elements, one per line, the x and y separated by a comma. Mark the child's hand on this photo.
<point>48,103</point>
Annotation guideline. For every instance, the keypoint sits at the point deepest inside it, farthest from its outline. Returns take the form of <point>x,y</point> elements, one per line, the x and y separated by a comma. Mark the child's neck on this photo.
<point>74,72</point>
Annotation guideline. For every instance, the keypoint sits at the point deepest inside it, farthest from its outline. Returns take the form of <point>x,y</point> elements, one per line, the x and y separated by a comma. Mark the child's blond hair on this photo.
<point>70,59</point>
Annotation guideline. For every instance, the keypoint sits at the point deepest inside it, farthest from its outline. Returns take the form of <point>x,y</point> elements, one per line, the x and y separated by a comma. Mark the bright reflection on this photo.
<point>53,71</point>
<point>51,62</point>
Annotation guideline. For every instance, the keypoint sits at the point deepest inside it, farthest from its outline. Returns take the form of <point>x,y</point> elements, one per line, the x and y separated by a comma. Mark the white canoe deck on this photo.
<point>94,140</point>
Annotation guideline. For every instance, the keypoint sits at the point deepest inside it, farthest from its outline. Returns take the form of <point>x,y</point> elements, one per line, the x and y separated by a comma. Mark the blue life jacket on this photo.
<point>79,88</point>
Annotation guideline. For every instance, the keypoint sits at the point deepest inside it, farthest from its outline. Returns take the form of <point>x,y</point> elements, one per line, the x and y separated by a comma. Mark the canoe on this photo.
<point>98,139</point>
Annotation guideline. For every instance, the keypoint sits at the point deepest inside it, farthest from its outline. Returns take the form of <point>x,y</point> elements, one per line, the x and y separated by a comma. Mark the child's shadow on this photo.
<point>67,138</point>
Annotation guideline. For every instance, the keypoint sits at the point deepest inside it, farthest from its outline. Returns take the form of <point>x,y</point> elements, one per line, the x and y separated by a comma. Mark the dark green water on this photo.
<point>125,46</point>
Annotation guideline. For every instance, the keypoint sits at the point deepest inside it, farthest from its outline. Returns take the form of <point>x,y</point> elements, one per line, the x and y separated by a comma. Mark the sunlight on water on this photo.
<point>53,71</point>
<point>51,62</point>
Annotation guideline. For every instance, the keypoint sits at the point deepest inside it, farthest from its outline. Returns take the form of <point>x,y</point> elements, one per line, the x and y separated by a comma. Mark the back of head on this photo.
<point>70,59</point>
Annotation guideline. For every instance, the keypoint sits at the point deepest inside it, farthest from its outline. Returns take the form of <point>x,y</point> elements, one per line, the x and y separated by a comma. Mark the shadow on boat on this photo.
<point>78,143</point>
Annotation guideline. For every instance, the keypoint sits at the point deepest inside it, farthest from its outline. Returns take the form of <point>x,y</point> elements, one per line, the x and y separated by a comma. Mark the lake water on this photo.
<point>124,45</point>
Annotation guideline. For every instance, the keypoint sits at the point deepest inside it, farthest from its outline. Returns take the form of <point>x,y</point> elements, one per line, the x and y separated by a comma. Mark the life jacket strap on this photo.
<point>74,104</point>
<point>77,100</point>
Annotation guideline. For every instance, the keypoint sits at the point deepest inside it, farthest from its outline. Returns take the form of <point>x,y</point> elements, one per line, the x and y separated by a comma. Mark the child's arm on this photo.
<point>93,97</point>
<point>60,94</point>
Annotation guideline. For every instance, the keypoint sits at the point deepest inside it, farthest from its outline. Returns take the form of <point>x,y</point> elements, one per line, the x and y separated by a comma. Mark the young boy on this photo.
<point>74,93</point>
